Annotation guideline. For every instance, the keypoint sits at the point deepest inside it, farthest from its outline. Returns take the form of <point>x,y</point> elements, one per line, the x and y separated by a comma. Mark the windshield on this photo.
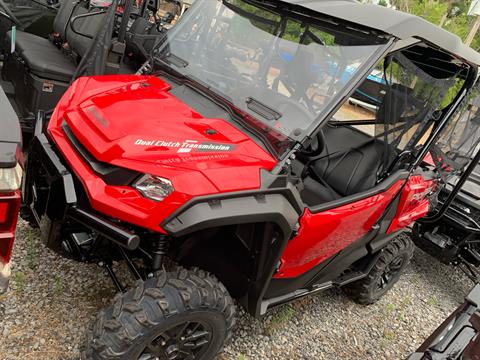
<point>284,71</point>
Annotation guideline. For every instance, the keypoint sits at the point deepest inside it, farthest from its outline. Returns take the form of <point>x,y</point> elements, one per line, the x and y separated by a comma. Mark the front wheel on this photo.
<point>386,271</point>
<point>186,314</point>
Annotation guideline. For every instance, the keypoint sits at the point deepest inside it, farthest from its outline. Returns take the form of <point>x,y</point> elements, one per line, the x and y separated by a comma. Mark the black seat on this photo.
<point>47,61</point>
<point>24,41</point>
<point>28,41</point>
<point>51,64</point>
<point>43,58</point>
<point>345,173</point>
<point>314,192</point>
<point>341,172</point>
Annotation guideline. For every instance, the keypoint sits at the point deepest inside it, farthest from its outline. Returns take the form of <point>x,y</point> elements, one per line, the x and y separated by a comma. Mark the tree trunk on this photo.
<point>473,31</point>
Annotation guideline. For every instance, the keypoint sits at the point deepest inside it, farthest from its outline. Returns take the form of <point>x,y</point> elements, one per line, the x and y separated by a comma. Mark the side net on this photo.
<point>408,103</point>
<point>460,140</point>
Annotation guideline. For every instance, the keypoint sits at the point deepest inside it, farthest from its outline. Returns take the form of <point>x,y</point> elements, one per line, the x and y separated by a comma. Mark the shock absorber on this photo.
<point>159,251</point>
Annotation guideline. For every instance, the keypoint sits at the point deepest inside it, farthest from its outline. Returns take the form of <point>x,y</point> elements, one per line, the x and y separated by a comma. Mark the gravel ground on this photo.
<point>52,301</point>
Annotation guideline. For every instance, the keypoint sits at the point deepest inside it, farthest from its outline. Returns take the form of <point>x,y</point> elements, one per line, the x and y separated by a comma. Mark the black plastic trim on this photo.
<point>381,241</point>
<point>45,169</point>
<point>55,165</point>
<point>241,210</point>
<point>271,184</point>
<point>112,175</point>
<point>61,201</point>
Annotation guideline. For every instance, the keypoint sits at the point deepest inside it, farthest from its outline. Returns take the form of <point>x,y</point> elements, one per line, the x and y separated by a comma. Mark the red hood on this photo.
<point>133,122</point>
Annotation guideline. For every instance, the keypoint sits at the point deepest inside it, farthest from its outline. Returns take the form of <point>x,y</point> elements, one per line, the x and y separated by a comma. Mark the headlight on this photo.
<point>10,179</point>
<point>154,187</point>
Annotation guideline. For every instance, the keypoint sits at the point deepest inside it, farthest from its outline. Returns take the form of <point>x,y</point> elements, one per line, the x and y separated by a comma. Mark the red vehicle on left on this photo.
<point>10,182</point>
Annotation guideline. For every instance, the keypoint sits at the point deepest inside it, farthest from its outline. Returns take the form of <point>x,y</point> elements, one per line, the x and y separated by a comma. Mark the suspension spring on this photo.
<point>159,251</point>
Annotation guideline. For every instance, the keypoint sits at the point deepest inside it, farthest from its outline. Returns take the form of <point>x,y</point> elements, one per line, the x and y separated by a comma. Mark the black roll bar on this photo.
<point>125,18</point>
<point>464,177</point>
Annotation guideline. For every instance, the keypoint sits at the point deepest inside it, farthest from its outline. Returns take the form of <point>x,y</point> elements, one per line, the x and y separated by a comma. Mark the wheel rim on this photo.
<point>186,341</point>
<point>390,273</point>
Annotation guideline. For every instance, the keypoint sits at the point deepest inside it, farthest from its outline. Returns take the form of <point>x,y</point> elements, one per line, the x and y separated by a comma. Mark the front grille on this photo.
<point>111,175</point>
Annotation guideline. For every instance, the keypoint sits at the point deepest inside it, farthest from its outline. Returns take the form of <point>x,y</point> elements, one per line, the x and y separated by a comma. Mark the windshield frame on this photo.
<point>282,9</point>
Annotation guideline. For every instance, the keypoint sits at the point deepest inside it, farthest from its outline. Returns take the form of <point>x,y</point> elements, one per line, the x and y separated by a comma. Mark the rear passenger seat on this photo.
<point>39,71</point>
<point>47,61</point>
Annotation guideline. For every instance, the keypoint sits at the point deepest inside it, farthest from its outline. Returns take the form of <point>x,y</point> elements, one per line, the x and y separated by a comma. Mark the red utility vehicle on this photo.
<point>240,166</point>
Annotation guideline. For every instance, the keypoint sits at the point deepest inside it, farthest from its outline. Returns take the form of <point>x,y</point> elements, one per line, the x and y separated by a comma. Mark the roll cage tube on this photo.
<point>10,13</point>
<point>81,16</point>
<point>437,131</point>
<point>122,32</point>
<point>466,174</point>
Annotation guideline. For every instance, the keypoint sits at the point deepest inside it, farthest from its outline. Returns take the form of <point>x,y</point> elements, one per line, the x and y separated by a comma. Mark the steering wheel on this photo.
<point>316,146</point>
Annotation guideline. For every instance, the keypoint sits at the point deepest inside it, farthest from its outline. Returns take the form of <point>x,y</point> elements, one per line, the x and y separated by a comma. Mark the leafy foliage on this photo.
<point>450,14</point>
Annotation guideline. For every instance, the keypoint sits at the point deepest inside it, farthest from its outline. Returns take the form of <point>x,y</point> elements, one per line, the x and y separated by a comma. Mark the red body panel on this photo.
<point>413,204</point>
<point>9,207</point>
<point>324,234</point>
<point>133,122</point>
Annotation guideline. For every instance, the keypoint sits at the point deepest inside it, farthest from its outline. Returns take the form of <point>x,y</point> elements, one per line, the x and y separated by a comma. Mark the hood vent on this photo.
<point>111,175</point>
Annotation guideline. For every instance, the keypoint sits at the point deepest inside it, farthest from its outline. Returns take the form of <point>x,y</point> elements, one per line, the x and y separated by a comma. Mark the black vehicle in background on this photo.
<point>86,38</point>
<point>457,337</point>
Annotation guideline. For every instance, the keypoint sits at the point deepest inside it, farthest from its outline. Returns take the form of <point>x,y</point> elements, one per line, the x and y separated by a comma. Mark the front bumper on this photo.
<point>50,192</point>
<point>49,187</point>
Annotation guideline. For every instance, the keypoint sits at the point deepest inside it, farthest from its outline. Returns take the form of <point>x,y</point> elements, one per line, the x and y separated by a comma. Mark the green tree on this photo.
<point>450,14</point>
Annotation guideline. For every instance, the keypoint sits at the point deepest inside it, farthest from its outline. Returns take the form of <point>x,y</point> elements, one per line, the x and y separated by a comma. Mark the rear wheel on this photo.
<point>27,215</point>
<point>385,273</point>
<point>177,315</point>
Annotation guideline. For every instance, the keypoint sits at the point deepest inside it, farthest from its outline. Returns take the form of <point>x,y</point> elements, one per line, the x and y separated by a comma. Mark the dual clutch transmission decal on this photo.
<point>187,146</point>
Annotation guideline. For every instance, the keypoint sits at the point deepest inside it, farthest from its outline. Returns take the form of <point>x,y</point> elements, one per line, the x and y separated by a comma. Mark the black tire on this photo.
<point>170,303</point>
<point>27,216</point>
<point>388,268</point>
